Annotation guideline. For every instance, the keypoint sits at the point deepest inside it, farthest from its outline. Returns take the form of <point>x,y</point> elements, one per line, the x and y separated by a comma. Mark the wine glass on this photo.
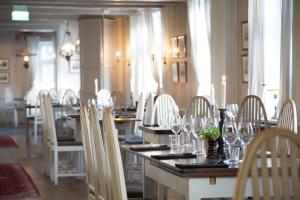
<point>245,134</point>
<point>188,127</point>
<point>232,110</point>
<point>230,137</point>
<point>198,142</point>
<point>176,126</point>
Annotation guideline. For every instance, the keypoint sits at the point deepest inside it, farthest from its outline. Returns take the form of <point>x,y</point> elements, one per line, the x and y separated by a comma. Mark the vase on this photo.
<point>212,148</point>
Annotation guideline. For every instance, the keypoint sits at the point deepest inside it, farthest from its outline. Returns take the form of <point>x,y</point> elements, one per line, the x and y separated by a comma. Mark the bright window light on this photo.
<point>20,13</point>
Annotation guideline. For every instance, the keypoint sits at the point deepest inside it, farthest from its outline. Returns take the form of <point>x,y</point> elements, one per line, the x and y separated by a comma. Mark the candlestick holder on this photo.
<point>220,149</point>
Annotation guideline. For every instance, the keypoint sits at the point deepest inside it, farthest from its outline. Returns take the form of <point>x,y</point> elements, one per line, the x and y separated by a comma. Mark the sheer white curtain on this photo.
<point>256,47</point>
<point>42,64</point>
<point>285,91</point>
<point>199,24</point>
<point>141,59</point>
<point>155,28</point>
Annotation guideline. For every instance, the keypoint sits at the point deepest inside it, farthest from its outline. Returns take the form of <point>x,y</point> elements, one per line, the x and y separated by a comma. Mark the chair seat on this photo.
<point>69,143</point>
<point>134,192</point>
<point>66,139</point>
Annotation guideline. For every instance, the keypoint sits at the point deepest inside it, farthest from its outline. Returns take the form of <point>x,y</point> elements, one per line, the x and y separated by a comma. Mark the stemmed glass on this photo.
<point>230,136</point>
<point>176,126</point>
<point>245,134</point>
<point>188,127</point>
<point>232,110</point>
<point>198,143</point>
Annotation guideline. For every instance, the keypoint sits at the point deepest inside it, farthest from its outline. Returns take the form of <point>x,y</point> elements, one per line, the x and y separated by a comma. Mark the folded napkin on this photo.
<point>150,147</point>
<point>217,164</point>
<point>173,156</point>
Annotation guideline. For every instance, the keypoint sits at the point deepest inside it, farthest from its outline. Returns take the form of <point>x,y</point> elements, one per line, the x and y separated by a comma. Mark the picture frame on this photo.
<point>182,72</point>
<point>75,66</point>
<point>4,64</point>
<point>174,47</point>
<point>181,46</point>
<point>245,35</point>
<point>245,69</point>
<point>174,72</point>
<point>4,77</point>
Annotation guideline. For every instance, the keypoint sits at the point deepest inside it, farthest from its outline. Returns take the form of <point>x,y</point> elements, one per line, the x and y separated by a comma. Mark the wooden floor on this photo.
<point>30,157</point>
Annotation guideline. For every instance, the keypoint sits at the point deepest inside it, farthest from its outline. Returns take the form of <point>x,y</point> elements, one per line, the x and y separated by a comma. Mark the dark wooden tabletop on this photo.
<point>119,119</point>
<point>169,165</point>
<point>156,130</point>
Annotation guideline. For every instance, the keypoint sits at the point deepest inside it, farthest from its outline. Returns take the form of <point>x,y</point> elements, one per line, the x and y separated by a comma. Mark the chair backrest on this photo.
<point>50,120</point>
<point>88,151</point>
<point>163,107</point>
<point>253,110</point>
<point>69,98</point>
<point>100,157</point>
<point>276,177</point>
<point>113,156</point>
<point>118,99</point>
<point>44,118</point>
<point>149,109</point>
<point>200,107</point>
<point>139,115</point>
<point>288,116</point>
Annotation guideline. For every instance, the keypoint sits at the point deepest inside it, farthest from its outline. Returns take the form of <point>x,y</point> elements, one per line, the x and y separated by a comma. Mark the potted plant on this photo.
<point>211,134</point>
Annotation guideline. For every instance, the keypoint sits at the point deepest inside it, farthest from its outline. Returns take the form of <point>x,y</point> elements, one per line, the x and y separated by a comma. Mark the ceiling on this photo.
<point>47,13</point>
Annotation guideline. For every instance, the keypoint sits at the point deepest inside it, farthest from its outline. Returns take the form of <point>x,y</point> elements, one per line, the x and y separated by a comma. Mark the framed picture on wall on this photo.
<point>174,47</point>
<point>182,72</point>
<point>245,35</point>
<point>175,72</point>
<point>181,46</point>
<point>75,66</point>
<point>245,71</point>
<point>4,64</point>
<point>4,77</point>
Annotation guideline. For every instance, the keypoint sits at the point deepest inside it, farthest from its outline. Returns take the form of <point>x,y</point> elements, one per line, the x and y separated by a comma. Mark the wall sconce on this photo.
<point>26,62</point>
<point>176,51</point>
<point>118,55</point>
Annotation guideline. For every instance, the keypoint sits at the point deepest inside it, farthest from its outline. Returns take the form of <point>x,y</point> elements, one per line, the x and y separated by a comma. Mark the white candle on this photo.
<point>212,95</point>
<point>96,86</point>
<point>223,92</point>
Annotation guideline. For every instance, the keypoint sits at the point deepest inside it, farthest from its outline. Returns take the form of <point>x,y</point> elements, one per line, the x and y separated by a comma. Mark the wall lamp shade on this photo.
<point>67,48</point>
<point>20,13</point>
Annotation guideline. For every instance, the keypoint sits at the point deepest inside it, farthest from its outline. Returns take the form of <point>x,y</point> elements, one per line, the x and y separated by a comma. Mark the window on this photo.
<point>272,38</point>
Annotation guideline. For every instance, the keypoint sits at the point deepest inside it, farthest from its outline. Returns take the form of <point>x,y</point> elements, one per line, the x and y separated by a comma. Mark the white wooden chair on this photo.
<point>88,151</point>
<point>100,167</point>
<point>288,116</point>
<point>118,99</point>
<point>163,107</point>
<point>253,110</point>
<point>149,108</point>
<point>56,147</point>
<point>45,135</point>
<point>200,107</point>
<point>276,177</point>
<point>117,185</point>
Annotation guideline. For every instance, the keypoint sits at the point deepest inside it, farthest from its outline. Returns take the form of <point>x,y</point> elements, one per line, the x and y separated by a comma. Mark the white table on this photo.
<point>193,184</point>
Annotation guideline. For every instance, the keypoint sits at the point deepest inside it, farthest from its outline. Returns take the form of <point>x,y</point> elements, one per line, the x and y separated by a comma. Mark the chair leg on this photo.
<point>55,167</point>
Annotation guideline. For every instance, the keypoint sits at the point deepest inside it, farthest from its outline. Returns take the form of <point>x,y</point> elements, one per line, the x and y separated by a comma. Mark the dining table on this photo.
<point>123,121</point>
<point>193,178</point>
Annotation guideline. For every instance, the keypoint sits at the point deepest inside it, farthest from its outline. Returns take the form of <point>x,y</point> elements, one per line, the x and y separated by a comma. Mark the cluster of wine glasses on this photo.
<point>190,129</point>
<point>236,135</point>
